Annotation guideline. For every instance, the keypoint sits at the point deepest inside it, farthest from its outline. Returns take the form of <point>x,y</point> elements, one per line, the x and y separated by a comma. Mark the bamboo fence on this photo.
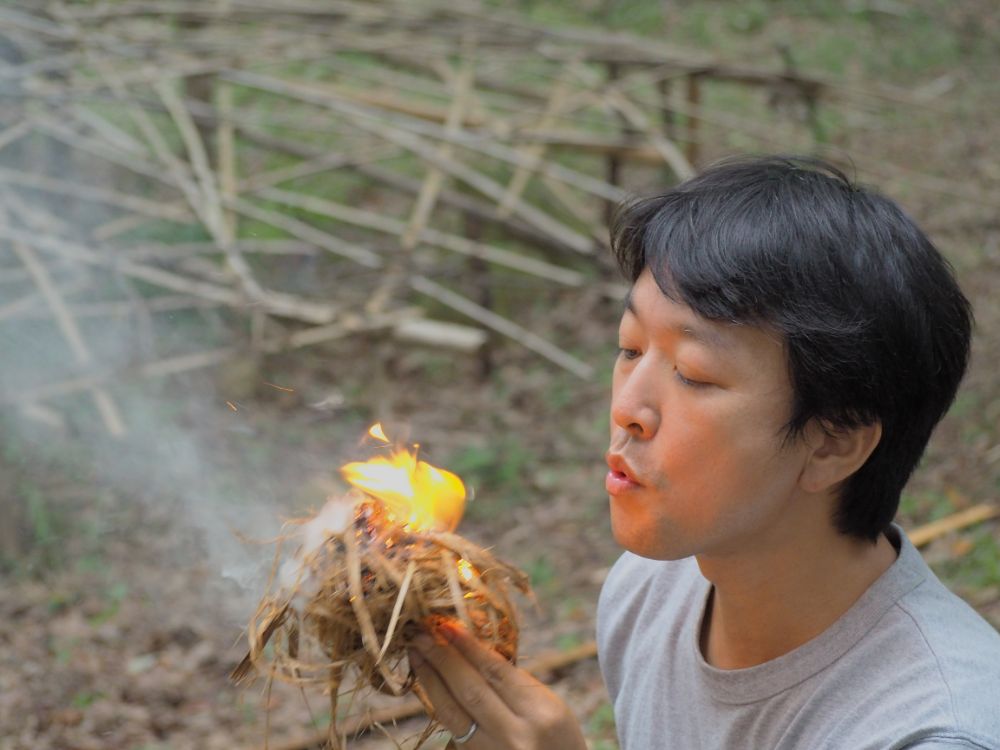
<point>299,171</point>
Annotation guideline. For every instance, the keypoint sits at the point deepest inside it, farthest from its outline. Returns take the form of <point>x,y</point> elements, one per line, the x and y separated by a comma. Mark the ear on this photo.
<point>836,454</point>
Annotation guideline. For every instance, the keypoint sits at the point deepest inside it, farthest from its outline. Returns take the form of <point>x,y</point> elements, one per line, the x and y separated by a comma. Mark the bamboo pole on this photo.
<point>428,194</point>
<point>923,535</point>
<point>502,325</point>
<point>105,404</point>
<point>433,237</point>
<point>694,103</point>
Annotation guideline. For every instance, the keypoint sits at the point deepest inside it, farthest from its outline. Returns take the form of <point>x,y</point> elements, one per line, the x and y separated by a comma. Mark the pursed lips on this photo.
<point>621,477</point>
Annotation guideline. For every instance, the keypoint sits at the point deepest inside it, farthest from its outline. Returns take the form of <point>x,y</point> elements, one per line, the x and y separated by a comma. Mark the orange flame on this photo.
<point>419,496</point>
<point>377,432</point>
<point>466,569</point>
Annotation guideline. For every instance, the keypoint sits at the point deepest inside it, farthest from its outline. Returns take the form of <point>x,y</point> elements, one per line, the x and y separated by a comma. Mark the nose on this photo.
<point>633,404</point>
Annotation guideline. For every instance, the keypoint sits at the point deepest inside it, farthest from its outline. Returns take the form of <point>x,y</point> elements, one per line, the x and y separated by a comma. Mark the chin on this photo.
<point>644,542</point>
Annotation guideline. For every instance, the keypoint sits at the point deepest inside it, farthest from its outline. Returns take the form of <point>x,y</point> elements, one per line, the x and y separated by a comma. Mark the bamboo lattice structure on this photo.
<point>307,170</point>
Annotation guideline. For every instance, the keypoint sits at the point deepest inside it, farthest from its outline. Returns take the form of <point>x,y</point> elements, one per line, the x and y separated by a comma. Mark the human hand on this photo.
<point>469,682</point>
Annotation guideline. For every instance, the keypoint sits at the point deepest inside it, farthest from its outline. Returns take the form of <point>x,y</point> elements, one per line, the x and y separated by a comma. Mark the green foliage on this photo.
<point>62,650</point>
<point>925,505</point>
<point>600,727</point>
<point>114,596</point>
<point>84,698</point>
<point>542,573</point>
<point>602,720</point>
<point>979,568</point>
<point>498,471</point>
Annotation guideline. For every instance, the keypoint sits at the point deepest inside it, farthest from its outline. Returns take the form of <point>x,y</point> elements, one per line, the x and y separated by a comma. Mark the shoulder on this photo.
<point>641,599</point>
<point>933,659</point>
<point>962,652</point>
<point>635,583</point>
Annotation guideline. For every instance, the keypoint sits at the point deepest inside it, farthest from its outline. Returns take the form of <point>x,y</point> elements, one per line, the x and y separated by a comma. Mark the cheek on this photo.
<point>723,449</point>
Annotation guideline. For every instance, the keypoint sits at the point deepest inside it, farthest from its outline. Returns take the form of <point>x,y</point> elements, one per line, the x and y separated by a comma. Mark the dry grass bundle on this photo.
<point>359,587</point>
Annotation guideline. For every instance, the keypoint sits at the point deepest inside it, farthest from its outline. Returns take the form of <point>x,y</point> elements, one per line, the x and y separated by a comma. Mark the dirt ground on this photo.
<point>121,623</point>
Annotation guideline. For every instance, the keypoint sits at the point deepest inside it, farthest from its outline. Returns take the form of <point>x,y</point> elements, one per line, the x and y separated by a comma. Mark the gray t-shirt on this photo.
<point>910,665</point>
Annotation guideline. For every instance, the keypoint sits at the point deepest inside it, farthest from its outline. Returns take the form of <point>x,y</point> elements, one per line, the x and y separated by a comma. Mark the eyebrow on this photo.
<point>702,334</point>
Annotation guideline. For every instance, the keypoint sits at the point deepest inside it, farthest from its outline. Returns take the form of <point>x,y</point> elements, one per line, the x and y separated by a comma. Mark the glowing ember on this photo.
<point>466,570</point>
<point>415,494</point>
<point>377,432</point>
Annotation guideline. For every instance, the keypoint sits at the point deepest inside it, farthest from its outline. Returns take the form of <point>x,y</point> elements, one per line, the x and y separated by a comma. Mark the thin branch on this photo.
<point>14,132</point>
<point>453,242</point>
<point>404,133</point>
<point>427,195</point>
<point>106,406</point>
<point>58,186</point>
<point>502,325</point>
<point>927,533</point>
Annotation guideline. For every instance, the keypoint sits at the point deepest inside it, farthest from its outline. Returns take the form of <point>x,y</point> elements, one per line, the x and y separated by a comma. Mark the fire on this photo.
<point>466,569</point>
<point>416,494</point>
<point>378,433</point>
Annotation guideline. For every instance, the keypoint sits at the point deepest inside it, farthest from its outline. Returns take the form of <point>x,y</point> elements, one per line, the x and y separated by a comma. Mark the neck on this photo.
<point>773,599</point>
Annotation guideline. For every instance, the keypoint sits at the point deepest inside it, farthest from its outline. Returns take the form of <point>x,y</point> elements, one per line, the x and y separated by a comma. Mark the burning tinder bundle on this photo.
<point>371,570</point>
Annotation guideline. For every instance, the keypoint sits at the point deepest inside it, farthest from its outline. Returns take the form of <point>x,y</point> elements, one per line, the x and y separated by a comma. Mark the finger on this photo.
<point>447,710</point>
<point>470,690</point>
<point>513,686</point>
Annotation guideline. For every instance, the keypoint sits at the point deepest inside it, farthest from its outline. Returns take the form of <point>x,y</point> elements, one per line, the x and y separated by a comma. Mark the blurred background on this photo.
<point>234,233</point>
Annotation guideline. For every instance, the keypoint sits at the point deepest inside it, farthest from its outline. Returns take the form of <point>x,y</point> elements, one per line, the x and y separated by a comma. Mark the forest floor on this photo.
<point>126,594</point>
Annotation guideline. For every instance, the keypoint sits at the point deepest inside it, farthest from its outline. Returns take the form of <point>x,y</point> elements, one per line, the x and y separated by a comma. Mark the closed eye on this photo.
<point>688,382</point>
<point>627,353</point>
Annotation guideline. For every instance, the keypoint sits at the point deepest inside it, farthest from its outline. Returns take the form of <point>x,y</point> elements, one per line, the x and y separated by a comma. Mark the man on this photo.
<point>788,345</point>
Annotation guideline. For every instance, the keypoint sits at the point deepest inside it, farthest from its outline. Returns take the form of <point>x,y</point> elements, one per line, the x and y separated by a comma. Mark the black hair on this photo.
<point>875,326</point>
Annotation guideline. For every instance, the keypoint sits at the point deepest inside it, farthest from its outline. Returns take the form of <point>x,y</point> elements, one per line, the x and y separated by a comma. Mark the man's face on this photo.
<point>697,415</point>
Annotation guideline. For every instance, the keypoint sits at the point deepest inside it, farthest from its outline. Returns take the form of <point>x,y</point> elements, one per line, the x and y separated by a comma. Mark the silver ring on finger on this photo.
<point>467,736</point>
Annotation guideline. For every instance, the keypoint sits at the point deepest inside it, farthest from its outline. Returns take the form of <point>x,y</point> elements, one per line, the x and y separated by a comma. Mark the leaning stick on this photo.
<point>158,277</point>
<point>111,132</point>
<point>927,533</point>
<point>360,255</point>
<point>24,308</point>
<point>16,131</point>
<point>639,120</point>
<point>422,284</point>
<point>275,303</point>
<point>471,177</point>
<point>154,138</point>
<point>406,136</point>
<point>198,360</point>
<point>466,203</point>
<point>213,216</point>
<point>58,131</point>
<point>453,242</point>
<point>428,194</point>
<point>58,186</point>
<point>323,162</point>
<point>167,251</point>
<point>106,406</point>
<point>26,305</point>
<point>502,325</point>
<point>461,201</point>
<point>427,197</point>
<point>535,152</point>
